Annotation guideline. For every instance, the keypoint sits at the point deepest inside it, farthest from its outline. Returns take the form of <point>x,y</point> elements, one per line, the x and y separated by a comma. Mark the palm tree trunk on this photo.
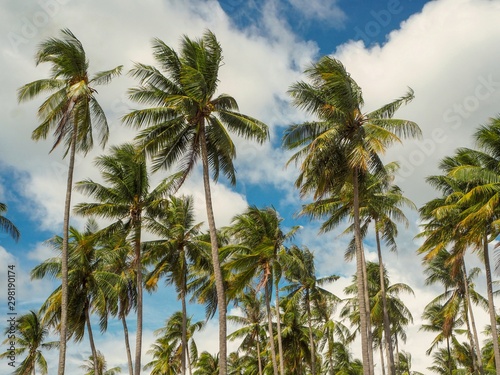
<point>63,328</point>
<point>491,304</point>
<point>278,327</point>
<point>470,313</point>
<point>365,345</point>
<point>127,345</point>
<point>369,332</point>
<point>382,364</point>
<point>138,337</point>
<point>219,281</point>
<point>387,326</point>
<point>270,328</point>
<point>259,360</point>
<point>311,338</point>
<point>91,340</point>
<point>184,327</point>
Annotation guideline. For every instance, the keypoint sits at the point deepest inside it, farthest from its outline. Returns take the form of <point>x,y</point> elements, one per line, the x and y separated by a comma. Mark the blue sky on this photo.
<point>446,50</point>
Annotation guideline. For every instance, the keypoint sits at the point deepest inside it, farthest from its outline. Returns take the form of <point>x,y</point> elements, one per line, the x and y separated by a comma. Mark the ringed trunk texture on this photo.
<point>219,281</point>
<point>91,340</point>
<point>360,274</point>
<point>491,304</point>
<point>127,345</point>
<point>387,324</point>
<point>63,329</point>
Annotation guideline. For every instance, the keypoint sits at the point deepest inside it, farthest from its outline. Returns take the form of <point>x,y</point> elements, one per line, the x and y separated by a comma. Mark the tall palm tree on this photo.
<point>6,225</point>
<point>304,289</point>
<point>259,239</point>
<point>126,198</point>
<point>31,333</point>
<point>100,362</point>
<point>172,254</point>
<point>188,122</point>
<point>92,287</point>
<point>72,113</point>
<point>340,147</point>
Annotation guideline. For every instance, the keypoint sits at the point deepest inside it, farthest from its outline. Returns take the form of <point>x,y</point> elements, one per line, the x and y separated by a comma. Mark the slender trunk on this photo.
<point>491,304</point>
<point>138,337</point>
<point>396,344</point>
<point>127,345</point>
<point>473,331</point>
<point>450,360</point>
<point>219,281</point>
<point>184,326</point>
<point>368,315</point>
<point>278,326</point>
<point>387,325</point>
<point>365,348</point>
<point>381,348</point>
<point>311,338</point>
<point>63,328</point>
<point>270,328</point>
<point>259,360</point>
<point>91,340</point>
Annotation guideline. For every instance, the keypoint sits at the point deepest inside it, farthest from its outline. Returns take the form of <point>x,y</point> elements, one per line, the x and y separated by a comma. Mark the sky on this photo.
<point>445,50</point>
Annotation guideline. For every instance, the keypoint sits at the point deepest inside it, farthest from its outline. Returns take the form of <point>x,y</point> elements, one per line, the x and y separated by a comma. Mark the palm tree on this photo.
<point>187,121</point>
<point>340,147</point>
<point>208,364</point>
<point>92,288</point>
<point>71,112</point>
<point>259,240</point>
<point>173,253</point>
<point>100,363</point>
<point>165,358</point>
<point>6,225</point>
<point>127,199</point>
<point>304,289</point>
<point>31,333</point>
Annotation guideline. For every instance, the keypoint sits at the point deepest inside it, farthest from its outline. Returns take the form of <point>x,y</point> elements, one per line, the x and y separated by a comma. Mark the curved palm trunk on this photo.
<point>127,345</point>
<point>138,337</point>
<point>491,304</point>
<point>63,330</point>
<point>360,273</point>
<point>219,281</point>
<point>473,329</point>
<point>278,327</point>
<point>270,328</point>
<point>387,326</point>
<point>91,340</point>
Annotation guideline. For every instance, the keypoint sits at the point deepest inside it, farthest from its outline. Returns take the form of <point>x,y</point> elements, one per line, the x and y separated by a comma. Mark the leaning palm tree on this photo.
<point>92,287</point>
<point>72,113</point>
<point>31,333</point>
<point>127,199</point>
<point>6,225</point>
<point>188,122</point>
<point>339,148</point>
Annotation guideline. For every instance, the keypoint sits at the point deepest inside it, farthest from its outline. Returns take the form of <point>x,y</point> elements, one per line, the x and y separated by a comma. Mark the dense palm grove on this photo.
<point>289,321</point>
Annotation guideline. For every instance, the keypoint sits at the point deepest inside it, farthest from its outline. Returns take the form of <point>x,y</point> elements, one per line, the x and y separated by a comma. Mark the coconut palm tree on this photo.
<point>340,147</point>
<point>90,365</point>
<point>92,287</point>
<point>6,225</point>
<point>208,364</point>
<point>72,113</point>
<point>188,121</point>
<point>165,358</point>
<point>173,253</point>
<point>259,240</point>
<point>30,336</point>
<point>126,198</point>
<point>304,289</point>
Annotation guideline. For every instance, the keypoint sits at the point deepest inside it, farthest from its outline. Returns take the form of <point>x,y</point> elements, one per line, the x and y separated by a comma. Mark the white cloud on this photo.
<point>326,11</point>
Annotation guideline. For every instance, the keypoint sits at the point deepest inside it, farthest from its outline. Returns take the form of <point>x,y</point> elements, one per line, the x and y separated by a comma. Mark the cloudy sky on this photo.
<point>445,50</point>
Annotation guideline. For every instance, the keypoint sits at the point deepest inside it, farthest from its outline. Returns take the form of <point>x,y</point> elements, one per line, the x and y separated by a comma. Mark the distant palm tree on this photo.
<point>208,364</point>
<point>6,225</point>
<point>188,122</point>
<point>126,198</point>
<point>72,113</point>
<point>31,333</point>
<point>339,147</point>
<point>92,287</point>
<point>100,363</point>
